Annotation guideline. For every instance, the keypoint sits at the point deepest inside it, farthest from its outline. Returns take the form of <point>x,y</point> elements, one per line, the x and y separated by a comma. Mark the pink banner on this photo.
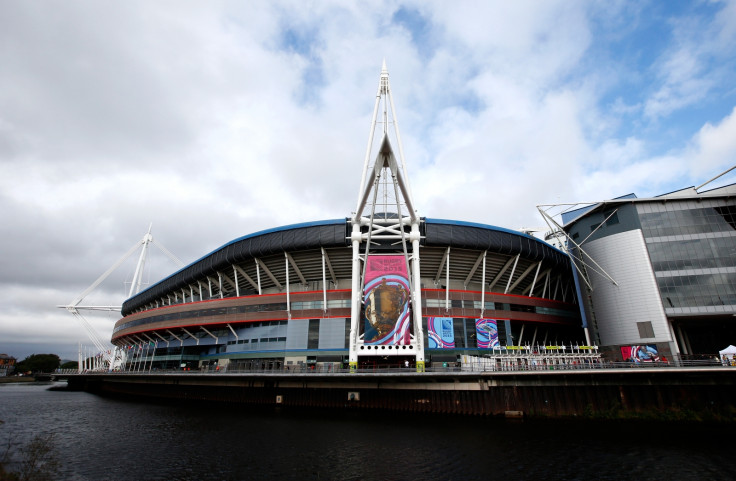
<point>642,353</point>
<point>386,297</point>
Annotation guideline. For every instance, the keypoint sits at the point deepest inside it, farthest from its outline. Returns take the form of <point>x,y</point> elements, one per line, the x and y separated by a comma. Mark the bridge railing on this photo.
<point>442,368</point>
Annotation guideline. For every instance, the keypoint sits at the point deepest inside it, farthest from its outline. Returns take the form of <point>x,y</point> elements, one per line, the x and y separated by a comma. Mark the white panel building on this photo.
<point>658,271</point>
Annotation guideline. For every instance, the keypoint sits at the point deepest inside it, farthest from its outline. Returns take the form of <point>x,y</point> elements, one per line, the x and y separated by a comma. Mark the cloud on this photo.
<point>681,87</point>
<point>696,62</point>
<point>714,147</point>
<point>216,120</point>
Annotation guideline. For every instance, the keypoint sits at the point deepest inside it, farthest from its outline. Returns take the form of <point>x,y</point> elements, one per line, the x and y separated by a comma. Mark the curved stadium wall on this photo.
<point>282,296</point>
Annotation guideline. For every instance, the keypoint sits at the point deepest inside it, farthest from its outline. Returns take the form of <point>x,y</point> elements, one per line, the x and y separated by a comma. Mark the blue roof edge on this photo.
<point>248,236</point>
<point>342,221</point>
<point>491,227</point>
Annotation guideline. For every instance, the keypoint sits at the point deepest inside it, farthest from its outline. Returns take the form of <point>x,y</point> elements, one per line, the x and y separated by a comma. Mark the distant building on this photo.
<point>7,364</point>
<point>662,271</point>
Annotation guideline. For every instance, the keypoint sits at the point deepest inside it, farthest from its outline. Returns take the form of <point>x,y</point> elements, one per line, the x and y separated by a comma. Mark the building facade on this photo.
<point>282,298</point>
<point>7,365</point>
<point>659,272</point>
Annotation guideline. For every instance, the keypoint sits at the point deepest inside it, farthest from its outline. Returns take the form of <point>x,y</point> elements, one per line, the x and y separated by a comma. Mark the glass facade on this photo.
<point>703,253</point>
<point>696,220</point>
<point>698,290</point>
<point>692,247</point>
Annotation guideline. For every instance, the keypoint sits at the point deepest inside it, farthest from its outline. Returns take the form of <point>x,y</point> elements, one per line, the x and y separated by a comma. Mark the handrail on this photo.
<point>450,368</point>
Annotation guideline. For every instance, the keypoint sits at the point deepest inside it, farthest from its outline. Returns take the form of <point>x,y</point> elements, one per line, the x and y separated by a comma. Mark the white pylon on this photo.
<point>111,354</point>
<point>384,186</point>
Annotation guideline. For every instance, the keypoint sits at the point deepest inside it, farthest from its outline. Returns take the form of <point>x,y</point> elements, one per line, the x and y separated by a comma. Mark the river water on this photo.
<point>100,439</point>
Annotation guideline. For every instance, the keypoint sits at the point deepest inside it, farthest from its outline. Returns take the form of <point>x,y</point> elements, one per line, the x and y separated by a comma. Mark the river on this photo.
<point>99,439</point>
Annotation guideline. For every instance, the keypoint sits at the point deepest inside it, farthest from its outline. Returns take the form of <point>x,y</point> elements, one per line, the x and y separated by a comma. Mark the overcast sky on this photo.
<point>213,120</point>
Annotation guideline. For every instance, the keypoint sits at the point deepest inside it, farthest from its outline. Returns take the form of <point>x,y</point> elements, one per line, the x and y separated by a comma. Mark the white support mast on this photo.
<point>111,355</point>
<point>385,212</point>
<point>135,285</point>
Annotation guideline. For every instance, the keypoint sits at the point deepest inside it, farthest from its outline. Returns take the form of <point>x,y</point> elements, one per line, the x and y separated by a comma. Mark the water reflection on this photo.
<point>107,439</point>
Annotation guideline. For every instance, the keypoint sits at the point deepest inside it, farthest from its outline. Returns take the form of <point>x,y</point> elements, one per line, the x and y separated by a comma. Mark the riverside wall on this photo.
<point>667,393</point>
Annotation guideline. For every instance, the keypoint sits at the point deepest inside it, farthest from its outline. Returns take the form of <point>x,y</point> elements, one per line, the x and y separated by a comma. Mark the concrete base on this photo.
<point>669,393</point>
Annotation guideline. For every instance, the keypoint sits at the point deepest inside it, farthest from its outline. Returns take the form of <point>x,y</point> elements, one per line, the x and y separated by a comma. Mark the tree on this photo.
<point>70,365</point>
<point>39,363</point>
<point>38,461</point>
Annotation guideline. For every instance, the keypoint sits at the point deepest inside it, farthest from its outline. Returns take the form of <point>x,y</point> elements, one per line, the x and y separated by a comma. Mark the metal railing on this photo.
<point>411,370</point>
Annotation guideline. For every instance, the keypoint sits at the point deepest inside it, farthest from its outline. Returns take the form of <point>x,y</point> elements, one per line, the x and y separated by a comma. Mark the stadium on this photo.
<point>383,287</point>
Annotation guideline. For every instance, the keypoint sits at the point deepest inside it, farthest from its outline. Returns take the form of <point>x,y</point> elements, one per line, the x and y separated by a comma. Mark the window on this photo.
<point>338,303</point>
<point>347,332</point>
<point>471,332</point>
<point>645,330</point>
<point>613,220</point>
<point>489,305</point>
<point>313,334</point>
<point>301,305</point>
<point>459,332</point>
<point>434,302</point>
<point>689,221</point>
<point>503,336</point>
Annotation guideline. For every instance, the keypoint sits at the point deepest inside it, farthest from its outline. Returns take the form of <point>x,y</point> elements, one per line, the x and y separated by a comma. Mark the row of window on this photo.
<point>265,324</point>
<point>299,305</point>
<point>464,330</point>
<point>438,303</point>
<point>256,341</point>
<point>692,221</point>
<point>499,306</point>
<point>696,291</point>
<point>221,311</point>
<point>693,254</point>
<point>610,218</point>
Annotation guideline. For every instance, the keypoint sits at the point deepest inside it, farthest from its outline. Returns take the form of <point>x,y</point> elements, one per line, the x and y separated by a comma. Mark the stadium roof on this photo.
<point>331,234</point>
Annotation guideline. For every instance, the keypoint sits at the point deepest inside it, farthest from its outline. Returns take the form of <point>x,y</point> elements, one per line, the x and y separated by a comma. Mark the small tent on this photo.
<point>728,353</point>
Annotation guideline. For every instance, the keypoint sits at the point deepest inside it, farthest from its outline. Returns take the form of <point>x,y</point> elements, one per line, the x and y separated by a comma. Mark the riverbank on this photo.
<point>702,394</point>
<point>14,379</point>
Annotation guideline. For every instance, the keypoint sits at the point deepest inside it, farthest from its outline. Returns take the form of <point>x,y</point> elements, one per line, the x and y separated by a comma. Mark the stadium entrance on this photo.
<point>704,337</point>
<point>375,363</point>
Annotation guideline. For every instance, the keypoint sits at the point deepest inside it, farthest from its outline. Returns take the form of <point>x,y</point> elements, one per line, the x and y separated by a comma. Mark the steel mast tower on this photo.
<point>113,356</point>
<point>385,214</point>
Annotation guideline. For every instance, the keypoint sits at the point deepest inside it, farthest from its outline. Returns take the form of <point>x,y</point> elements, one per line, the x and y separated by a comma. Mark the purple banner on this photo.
<point>440,333</point>
<point>487,333</point>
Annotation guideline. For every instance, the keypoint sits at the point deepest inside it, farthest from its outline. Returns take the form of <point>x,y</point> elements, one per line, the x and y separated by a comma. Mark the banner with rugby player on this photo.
<point>386,299</point>
<point>440,333</point>
<point>641,353</point>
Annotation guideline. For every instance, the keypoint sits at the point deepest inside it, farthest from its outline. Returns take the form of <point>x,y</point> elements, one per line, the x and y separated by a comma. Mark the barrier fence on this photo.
<point>468,364</point>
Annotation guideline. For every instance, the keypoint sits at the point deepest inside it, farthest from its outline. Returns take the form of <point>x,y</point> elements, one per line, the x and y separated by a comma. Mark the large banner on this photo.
<point>643,353</point>
<point>486,333</point>
<point>440,333</point>
<point>386,298</point>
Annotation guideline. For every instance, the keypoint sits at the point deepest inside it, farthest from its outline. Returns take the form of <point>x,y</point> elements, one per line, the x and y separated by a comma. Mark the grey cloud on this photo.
<point>114,115</point>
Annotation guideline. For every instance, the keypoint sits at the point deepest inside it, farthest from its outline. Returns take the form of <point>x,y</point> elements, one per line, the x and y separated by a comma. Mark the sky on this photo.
<point>213,120</point>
